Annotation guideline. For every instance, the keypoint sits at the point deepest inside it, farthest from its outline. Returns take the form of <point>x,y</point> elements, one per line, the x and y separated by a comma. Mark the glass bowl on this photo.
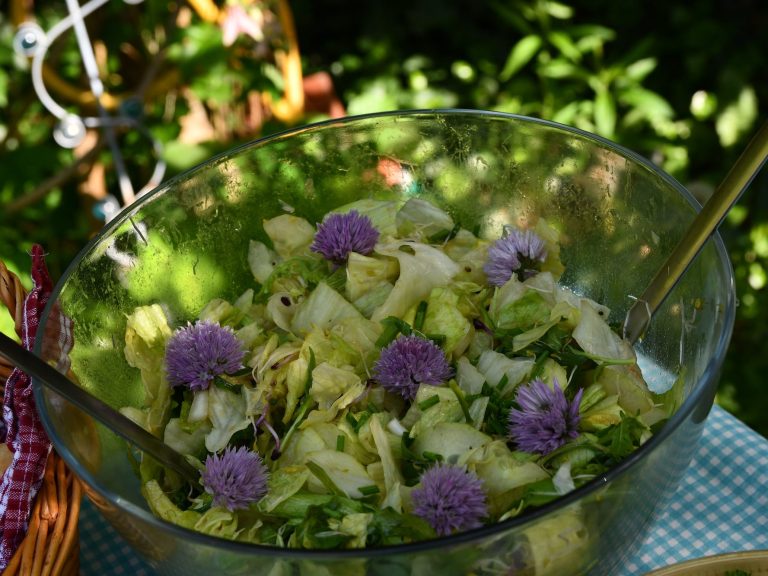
<point>187,242</point>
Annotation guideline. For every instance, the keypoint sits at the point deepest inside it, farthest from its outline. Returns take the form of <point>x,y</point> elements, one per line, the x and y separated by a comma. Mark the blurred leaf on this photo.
<point>558,10</point>
<point>565,45</point>
<point>737,118</point>
<point>647,102</point>
<point>605,113</point>
<point>520,55</point>
<point>377,96</point>
<point>3,89</point>
<point>559,68</point>
<point>639,69</point>
<point>703,104</point>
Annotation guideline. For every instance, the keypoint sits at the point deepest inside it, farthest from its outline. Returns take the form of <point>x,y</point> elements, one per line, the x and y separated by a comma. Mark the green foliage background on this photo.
<point>683,83</point>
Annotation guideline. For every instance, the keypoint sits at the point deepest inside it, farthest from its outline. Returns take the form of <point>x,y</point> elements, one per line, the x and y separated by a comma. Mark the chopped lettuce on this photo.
<point>365,274</point>
<point>290,235</point>
<point>422,220</point>
<point>422,268</point>
<point>226,412</point>
<point>324,308</point>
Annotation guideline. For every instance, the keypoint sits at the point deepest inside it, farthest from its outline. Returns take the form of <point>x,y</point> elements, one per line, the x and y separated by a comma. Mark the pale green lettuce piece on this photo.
<point>419,220</point>
<point>345,472</point>
<point>380,212</point>
<point>494,366</point>
<point>551,237</point>
<point>602,414</point>
<point>562,480</point>
<point>303,443</point>
<point>146,334</point>
<point>454,441</point>
<point>628,385</point>
<point>471,254</point>
<point>368,303</point>
<point>355,525</point>
<point>226,314</point>
<point>198,411</point>
<point>597,339</point>
<point>365,274</point>
<point>525,339</point>
<point>261,260</point>
<point>283,483</point>
<point>330,383</point>
<point>218,521</point>
<point>290,235</point>
<point>503,474</point>
<point>447,409</point>
<point>477,411</point>
<point>184,442</point>
<point>443,317</point>
<point>330,432</point>
<point>427,268</point>
<point>558,544</point>
<point>551,371</point>
<point>528,311</point>
<point>162,506</point>
<point>295,384</point>
<point>392,477</point>
<point>469,378</point>
<point>226,411</point>
<point>323,309</point>
<point>250,334</point>
<point>281,308</point>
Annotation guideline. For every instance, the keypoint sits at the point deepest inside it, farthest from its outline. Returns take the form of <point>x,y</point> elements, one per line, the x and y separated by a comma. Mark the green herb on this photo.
<point>429,402</point>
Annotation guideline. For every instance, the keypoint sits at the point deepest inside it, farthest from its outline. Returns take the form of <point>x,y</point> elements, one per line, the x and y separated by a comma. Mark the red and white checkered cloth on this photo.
<point>26,437</point>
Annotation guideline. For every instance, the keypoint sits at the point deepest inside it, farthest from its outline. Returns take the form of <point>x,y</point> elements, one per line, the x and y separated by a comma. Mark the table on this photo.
<point>720,506</point>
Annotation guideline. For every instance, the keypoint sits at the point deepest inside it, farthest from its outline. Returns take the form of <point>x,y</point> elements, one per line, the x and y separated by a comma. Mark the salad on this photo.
<point>389,377</point>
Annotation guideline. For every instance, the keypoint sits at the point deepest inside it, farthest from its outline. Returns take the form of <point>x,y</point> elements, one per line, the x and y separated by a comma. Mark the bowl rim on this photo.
<point>705,385</point>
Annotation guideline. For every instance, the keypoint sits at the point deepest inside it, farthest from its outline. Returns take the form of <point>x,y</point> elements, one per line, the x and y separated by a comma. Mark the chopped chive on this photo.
<point>325,480</point>
<point>392,327</point>
<point>352,421</point>
<point>421,315</point>
<point>328,511</point>
<point>503,382</point>
<point>223,384</point>
<point>429,402</point>
<point>432,456</point>
<point>363,419</point>
<point>369,490</point>
<point>462,400</point>
<point>340,439</point>
<point>242,372</point>
<point>438,339</point>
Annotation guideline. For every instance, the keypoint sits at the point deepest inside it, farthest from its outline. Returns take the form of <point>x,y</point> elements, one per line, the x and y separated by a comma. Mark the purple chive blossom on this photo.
<point>340,234</point>
<point>408,362</point>
<point>451,499</point>
<point>197,353</point>
<point>546,420</point>
<point>235,478</point>
<point>519,251</point>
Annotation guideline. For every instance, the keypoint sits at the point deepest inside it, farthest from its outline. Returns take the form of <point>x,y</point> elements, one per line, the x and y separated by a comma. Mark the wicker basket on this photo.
<point>51,546</point>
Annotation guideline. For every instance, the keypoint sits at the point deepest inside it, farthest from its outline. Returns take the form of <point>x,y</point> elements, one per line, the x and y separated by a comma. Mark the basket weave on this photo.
<point>51,546</point>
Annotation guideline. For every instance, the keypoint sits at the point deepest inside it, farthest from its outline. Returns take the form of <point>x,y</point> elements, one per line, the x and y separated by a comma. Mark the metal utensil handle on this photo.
<point>702,227</point>
<point>93,406</point>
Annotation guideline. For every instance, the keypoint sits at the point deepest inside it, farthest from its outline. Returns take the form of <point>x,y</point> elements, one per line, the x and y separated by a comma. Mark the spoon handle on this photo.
<point>705,223</point>
<point>93,406</point>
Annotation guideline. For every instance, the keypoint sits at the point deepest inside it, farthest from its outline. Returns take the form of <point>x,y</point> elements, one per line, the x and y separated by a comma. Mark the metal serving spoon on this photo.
<point>703,226</point>
<point>91,405</point>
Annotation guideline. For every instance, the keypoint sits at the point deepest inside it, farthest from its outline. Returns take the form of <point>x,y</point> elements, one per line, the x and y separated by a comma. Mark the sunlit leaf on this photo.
<point>737,118</point>
<point>565,44</point>
<point>521,54</point>
<point>605,113</point>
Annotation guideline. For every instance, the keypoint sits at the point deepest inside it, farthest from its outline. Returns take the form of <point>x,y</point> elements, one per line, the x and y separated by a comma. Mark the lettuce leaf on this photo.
<point>419,220</point>
<point>226,411</point>
<point>290,235</point>
<point>323,309</point>
<point>422,270</point>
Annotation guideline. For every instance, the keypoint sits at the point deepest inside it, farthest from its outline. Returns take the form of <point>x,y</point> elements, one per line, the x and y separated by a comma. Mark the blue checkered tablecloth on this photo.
<point>720,506</point>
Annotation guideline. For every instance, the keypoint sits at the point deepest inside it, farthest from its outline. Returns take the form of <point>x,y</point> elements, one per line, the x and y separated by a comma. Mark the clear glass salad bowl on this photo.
<point>187,242</point>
